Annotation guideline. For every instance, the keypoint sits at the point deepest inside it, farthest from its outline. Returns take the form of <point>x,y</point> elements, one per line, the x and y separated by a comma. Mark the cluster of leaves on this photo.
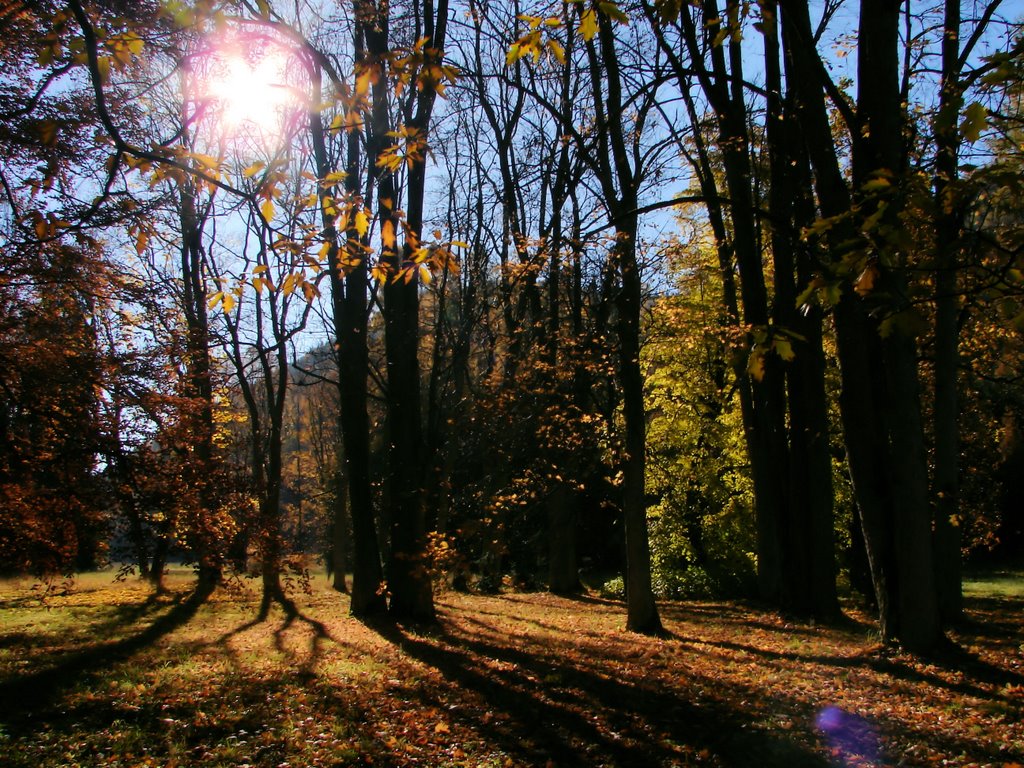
<point>51,514</point>
<point>702,522</point>
<point>518,446</point>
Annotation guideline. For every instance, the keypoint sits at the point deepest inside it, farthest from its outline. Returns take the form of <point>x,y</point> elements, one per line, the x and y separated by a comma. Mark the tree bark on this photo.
<point>641,609</point>
<point>808,538</point>
<point>946,472</point>
<point>349,313</point>
<point>879,400</point>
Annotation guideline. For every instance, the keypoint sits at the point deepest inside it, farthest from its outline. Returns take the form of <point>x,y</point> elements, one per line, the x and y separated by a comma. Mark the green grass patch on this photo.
<point>995,583</point>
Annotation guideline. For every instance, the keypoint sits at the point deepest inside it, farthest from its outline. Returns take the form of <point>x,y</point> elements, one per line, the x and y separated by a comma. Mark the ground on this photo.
<point>109,674</point>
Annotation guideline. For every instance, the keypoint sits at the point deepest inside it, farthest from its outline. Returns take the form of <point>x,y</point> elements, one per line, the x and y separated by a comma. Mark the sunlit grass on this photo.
<point>995,583</point>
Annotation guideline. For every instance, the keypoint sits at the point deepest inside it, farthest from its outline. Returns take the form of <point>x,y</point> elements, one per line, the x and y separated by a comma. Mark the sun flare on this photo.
<point>251,92</point>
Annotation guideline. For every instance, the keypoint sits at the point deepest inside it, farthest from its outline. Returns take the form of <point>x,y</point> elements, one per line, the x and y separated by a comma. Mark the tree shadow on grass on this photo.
<point>25,697</point>
<point>998,626</point>
<point>538,708</point>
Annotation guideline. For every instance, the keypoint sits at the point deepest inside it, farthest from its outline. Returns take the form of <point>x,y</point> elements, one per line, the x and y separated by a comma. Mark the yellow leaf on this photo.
<point>253,169</point>
<point>103,66</point>
<point>588,24</point>
<point>288,286</point>
<point>866,282</point>
<point>876,185</point>
<point>755,366</point>
<point>363,82</point>
<point>228,303</point>
<point>362,222</point>
<point>557,51</point>
<point>442,728</point>
<point>387,234</point>
<point>333,178</point>
<point>783,348</point>
<point>425,274</point>
<point>207,161</point>
<point>974,122</point>
<point>612,11</point>
<point>267,209</point>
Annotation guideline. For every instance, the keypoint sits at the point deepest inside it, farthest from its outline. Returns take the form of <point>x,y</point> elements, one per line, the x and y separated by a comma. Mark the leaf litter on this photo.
<point>505,680</point>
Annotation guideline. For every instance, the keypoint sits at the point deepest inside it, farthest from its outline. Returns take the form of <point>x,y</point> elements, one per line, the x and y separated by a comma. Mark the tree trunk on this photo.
<point>880,149</point>
<point>408,577</point>
<point>946,472</point>
<point>563,566</point>
<point>200,386</point>
<point>879,401</point>
<point>339,535</point>
<point>808,539</point>
<point>641,609</point>
<point>349,312</point>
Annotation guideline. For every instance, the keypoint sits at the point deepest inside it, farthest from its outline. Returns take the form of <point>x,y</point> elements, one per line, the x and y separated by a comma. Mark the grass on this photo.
<point>111,675</point>
<point>995,584</point>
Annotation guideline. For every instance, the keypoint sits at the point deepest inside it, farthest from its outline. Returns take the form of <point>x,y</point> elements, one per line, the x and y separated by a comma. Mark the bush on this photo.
<point>614,589</point>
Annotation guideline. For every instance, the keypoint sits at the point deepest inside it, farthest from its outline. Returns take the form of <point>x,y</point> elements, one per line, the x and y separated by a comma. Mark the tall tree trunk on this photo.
<point>808,539</point>
<point>276,386</point>
<point>880,149</point>
<point>641,609</point>
<point>946,472</point>
<point>408,577</point>
<point>349,316</point>
<point>879,400</point>
<point>200,385</point>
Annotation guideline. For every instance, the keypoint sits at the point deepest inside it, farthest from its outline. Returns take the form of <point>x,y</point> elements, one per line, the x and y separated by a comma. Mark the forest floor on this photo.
<point>109,674</point>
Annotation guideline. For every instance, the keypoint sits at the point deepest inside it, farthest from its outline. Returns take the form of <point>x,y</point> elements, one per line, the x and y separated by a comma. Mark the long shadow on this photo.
<point>24,697</point>
<point>545,717</point>
<point>952,658</point>
<point>978,671</point>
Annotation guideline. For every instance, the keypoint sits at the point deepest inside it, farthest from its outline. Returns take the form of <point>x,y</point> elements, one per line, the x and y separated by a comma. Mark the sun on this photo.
<point>252,93</point>
<point>250,90</point>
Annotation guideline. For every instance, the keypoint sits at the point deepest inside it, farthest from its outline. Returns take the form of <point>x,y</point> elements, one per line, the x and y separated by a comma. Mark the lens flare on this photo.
<point>852,738</point>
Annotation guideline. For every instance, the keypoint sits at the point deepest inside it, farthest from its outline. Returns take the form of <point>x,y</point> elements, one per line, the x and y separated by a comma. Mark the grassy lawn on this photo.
<point>108,674</point>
